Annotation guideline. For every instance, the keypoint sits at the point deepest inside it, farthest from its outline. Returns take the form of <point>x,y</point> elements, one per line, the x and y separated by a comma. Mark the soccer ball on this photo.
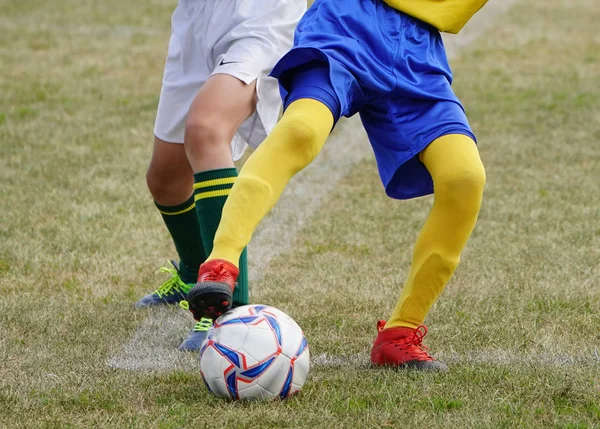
<point>254,352</point>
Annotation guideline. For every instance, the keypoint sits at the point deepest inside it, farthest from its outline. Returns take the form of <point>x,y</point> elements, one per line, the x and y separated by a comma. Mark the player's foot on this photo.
<point>172,291</point>
<point>196,336</point>
<point>403,348</point>
<point>212,295</point>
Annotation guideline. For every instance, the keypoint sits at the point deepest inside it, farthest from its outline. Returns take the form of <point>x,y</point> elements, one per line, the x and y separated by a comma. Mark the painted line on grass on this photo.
<point>167,358</point>
<point>475,357</point>
<point>154,344</point>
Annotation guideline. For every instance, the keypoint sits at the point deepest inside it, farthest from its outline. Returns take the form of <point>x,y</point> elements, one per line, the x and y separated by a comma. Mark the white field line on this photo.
<point>154,345</point>
<point>476,357</point>
<point>165,357</point>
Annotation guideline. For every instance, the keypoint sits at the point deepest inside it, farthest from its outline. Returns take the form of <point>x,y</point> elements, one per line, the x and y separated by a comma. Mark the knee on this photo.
<point>304,138</point>
<point>207,131</point>
<point>158,184</point>
<point>168,187</point>
<point>470,175</point>
<point>462,187</point>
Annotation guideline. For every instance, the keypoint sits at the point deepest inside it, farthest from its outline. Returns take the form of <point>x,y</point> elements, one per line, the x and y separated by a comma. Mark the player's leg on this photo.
<point>292,145</point>
<point>319,84</point>
<point>427,119</point>
<point>458,180</point>
<point>219,108</point>
<point>449,167</point>
<point>169,179</point>
<point>222,104</point>
<point>240,45</point>
<point>169,175</point>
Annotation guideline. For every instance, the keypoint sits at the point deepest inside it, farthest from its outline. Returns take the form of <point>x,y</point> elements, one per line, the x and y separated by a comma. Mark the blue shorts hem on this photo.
<point>313,82</point>
<point>412,169</point>
<point>302,59</point>
<point>320,99</point>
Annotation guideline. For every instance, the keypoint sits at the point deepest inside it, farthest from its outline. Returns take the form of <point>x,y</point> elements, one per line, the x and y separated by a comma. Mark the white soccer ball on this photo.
<point>254,352</point>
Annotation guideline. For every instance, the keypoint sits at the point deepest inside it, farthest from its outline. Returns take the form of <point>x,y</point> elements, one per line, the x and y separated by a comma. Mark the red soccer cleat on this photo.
<point>402,348</point>
<point>212,295</point>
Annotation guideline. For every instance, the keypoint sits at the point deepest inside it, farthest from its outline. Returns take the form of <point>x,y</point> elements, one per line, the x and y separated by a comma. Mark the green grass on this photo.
<point>80,241</point>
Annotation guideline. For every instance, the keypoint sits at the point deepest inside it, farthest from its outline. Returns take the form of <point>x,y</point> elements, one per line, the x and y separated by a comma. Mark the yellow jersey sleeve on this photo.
<point>445,15</point>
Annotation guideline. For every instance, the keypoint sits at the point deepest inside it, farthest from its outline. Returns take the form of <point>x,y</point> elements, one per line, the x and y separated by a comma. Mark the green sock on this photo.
<point>210,192</point>
<point>182,223</point>
<point>240,295</point>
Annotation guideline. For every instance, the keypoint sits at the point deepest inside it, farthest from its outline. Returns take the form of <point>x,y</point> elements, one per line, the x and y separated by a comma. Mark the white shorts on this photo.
<point>241,38</point>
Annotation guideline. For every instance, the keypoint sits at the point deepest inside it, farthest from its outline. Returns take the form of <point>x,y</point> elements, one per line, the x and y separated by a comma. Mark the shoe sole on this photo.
<point>209,299</point>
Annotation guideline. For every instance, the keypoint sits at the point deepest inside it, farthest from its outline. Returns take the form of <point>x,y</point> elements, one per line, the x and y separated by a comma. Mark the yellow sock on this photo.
<point>458,180</point>
<point>294,143</point>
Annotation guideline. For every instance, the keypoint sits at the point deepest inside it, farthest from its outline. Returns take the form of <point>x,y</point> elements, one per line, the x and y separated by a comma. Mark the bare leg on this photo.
<point>220,107</point>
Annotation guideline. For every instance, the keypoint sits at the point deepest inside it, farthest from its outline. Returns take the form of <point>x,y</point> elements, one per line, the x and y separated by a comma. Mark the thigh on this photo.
<point>224,102</point>
<point>419,109</point>
<point>354,40</point>
<point>184,74</point>
<point>247,37</point>
<point>400,129</point>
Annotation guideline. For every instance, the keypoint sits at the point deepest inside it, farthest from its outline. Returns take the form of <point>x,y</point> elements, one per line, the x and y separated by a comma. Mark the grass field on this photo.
<point>519,325</point>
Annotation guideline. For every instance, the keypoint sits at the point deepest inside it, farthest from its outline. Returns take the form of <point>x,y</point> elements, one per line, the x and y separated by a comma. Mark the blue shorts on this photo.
<point>364,56</point>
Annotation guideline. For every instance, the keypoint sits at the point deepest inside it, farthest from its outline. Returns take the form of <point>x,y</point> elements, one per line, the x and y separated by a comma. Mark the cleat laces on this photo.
<point>174,284</point>
<point>216,274</point>
<point>203,325</point>
<point>413,344</point>
<point>417,338</point>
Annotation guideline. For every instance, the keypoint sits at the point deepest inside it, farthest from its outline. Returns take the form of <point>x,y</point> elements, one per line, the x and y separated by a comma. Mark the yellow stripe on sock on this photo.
<point>211,194</point>
<point>187,209</point>
<point>214,182</point>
